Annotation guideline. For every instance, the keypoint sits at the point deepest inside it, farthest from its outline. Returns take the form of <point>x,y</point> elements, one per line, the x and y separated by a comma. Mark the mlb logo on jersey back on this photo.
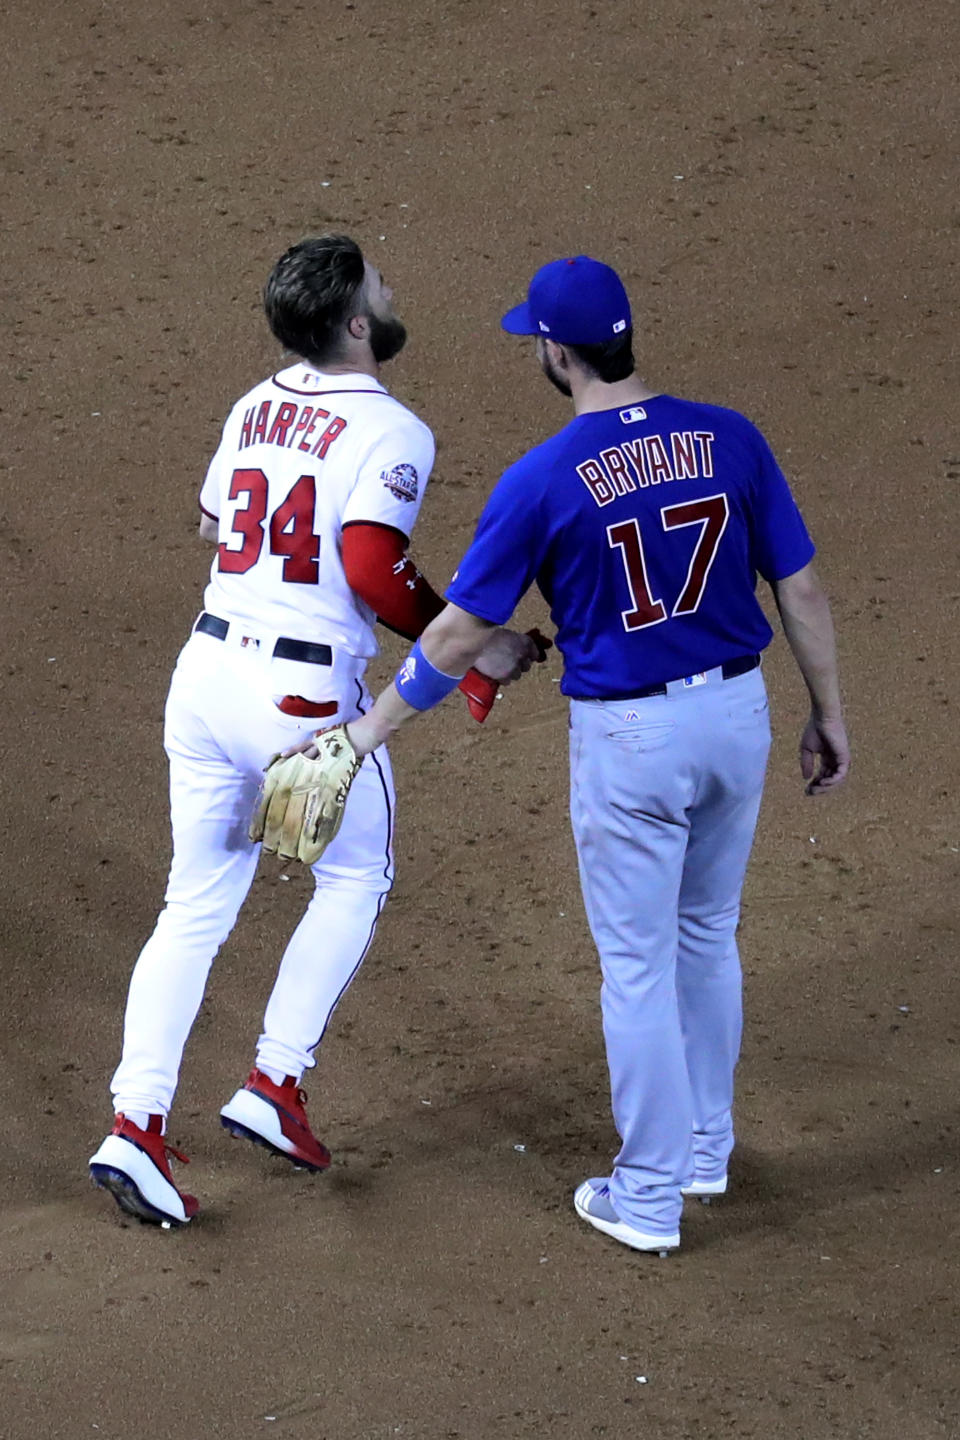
<point>699,679</point>
<point>401,481</point>
<point>632,415</point>
<point>310,380</point>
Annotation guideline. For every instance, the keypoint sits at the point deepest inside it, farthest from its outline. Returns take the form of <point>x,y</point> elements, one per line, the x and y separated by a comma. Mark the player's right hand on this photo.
<point>481,686</point>
<point>508,655</point>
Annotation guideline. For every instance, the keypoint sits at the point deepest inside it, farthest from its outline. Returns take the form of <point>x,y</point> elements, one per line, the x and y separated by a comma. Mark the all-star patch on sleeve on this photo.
<point>402,481</point>
<point>392,476</point>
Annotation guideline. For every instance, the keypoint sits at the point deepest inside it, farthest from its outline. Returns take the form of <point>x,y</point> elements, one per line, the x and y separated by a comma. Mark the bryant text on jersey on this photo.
<point>649,460</point>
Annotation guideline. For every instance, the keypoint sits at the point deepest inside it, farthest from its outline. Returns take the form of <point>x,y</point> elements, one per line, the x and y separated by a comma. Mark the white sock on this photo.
<point>277,1076</point>
<point>140,1118</point>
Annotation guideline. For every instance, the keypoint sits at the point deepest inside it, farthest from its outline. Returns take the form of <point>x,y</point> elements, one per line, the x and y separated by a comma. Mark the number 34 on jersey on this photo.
<point>290,529</point>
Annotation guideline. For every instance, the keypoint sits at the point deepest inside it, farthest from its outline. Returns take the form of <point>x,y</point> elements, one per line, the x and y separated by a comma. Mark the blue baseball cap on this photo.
<point>575,302</point>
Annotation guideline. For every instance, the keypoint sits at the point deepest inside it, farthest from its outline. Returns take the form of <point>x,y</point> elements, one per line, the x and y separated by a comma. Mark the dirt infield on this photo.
<point>778,184</point>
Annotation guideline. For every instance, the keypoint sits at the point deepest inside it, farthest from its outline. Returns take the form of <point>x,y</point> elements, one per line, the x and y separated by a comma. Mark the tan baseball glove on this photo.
<point>301,801</point>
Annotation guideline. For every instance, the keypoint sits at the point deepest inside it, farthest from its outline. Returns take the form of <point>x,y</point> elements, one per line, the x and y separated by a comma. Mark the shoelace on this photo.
<point>168,1148</point>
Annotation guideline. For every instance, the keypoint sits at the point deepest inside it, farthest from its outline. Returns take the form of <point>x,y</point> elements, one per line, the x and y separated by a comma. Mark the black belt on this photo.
<point>730,669</point>
<point>284,649</point>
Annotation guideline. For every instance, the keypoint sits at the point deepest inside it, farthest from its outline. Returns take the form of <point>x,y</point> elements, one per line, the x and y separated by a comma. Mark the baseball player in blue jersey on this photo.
<point>645,523</point>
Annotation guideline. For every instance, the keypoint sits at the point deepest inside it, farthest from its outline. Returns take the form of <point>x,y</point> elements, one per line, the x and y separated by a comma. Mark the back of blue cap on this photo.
<point>577,301</point>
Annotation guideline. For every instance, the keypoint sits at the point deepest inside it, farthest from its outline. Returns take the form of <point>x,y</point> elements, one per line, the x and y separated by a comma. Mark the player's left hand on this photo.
<point>302,800</point>
<point>826,740</point>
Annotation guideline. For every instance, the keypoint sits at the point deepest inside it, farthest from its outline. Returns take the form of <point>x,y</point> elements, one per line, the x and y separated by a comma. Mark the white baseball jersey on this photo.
<point>302,455</point>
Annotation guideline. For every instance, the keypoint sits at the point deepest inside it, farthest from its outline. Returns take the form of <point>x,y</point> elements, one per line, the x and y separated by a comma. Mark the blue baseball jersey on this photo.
<point>645,529</point>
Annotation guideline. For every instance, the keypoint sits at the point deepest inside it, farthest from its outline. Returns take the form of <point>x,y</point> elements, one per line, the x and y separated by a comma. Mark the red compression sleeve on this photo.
<point>378,569</point>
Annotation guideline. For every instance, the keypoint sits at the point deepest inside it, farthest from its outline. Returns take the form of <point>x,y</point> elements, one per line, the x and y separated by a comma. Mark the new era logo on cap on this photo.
<point>578,301</point>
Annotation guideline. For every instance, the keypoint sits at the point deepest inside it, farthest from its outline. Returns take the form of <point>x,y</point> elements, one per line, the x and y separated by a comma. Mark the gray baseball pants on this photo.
<point>665,793</point>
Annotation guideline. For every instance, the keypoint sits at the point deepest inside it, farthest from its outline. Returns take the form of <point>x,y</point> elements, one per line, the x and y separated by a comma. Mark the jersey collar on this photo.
<point>305,380</point>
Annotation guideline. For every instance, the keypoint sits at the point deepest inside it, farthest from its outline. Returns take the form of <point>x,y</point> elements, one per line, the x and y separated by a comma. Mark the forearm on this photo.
<point>452,643</point>
<point>378,569</point>
<point>808,626</point>
<point>376,727</point>
<point>455,640</point>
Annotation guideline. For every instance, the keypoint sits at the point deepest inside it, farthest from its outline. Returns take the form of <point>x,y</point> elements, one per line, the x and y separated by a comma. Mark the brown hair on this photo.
<point>311,294</point>
<point>610,360</point>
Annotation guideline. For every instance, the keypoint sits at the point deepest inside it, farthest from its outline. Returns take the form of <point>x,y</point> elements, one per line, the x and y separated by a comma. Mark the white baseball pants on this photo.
<point>222,727</point>
<point>665,793</point>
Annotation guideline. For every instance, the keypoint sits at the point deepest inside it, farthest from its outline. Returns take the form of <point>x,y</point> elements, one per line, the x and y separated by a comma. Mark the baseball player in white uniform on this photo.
<point>310,498</point>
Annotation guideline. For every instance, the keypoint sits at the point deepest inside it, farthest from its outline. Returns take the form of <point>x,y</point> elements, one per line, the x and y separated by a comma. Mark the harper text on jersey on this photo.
<point>291,423</point>
<point>648,460</point>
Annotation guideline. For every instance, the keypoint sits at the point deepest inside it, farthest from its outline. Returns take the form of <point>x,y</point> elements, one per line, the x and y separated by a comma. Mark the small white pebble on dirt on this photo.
<point>543,1259</point>
<point>284,877</point>
<point>813,839</point>
<point>325,184</point>
<point>164,1224</point>
<point>938,1170</point>
<point>904,1009</point>
<point>51,659</point>
<point>521,1148</point>
<point>824,1257</point>
<point>94,414</point>
<point>426,1102</point>
<point>641,1379</point>
<point>383,237</point>
<point>678,177</point>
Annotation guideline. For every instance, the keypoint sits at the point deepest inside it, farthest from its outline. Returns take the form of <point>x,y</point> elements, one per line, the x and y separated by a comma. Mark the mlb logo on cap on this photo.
<point>576,302</point>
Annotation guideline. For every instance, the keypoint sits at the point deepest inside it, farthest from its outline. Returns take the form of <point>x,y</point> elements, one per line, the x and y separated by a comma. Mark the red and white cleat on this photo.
<point>274,1116</point>
<point>132,1164</point>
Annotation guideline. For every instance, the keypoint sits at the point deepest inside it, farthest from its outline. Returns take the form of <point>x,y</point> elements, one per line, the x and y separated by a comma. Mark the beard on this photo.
<point>387,337</point>
<point>555,378</point>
